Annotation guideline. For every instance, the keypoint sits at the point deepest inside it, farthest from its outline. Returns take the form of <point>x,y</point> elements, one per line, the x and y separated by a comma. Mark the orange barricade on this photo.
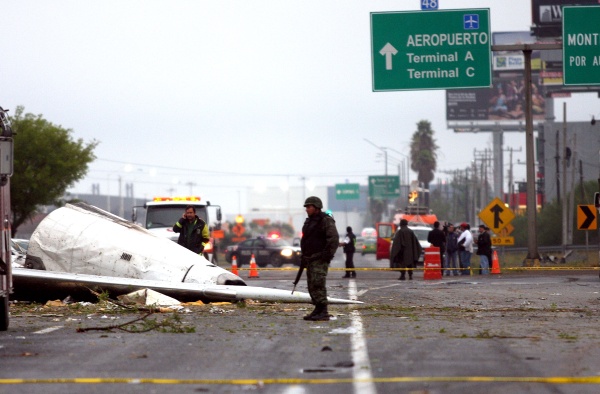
<point>253,268</point>
<point>495,263</point>
<point>432,263</point>
<point>234,267</point>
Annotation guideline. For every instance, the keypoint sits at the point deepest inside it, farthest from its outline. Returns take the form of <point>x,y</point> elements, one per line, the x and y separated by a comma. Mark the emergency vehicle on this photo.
<point>163,212</point>
<point>6,169</point>
<point>420,221</point>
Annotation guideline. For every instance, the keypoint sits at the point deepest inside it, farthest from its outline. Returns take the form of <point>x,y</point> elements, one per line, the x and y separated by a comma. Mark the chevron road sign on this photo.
<point>586,217</point>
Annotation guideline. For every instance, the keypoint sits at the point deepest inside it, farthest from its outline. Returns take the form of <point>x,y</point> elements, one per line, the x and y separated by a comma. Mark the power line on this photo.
<point>227,173</point>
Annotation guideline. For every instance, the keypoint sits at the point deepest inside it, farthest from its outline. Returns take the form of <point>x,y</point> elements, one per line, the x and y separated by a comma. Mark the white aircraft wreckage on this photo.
<point>80,247</point>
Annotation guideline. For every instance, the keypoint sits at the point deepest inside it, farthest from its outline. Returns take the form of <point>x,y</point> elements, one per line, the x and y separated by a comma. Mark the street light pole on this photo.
<point>407,165</point>
<point>384,150</point>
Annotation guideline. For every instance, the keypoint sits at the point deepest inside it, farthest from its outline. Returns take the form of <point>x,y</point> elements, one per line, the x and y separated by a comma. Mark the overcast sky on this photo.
<point>218,97</point>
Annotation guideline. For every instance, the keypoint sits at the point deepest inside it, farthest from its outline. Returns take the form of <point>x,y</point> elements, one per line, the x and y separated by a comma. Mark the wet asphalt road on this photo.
<point>515,332</point>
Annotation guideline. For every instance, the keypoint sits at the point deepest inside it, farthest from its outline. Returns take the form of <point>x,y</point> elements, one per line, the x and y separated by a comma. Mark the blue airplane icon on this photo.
<point>471,21</point>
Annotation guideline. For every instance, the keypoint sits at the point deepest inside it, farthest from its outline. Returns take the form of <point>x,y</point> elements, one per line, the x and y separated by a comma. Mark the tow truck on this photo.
<point>163,212</point>
<point>6,169</point>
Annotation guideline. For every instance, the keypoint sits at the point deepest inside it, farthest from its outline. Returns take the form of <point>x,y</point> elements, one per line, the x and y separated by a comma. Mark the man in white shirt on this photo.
<point>465,247</point>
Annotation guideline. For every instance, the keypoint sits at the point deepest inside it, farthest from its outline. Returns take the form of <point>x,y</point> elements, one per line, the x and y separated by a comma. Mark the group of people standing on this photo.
<point>320,241</point>
<point>457,246</point>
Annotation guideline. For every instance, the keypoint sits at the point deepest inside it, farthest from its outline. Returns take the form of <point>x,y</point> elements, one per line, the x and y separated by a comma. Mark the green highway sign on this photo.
<point>347,191</point>
<point>447,49</point>
<point>384,186</point>
<point>581,45</point>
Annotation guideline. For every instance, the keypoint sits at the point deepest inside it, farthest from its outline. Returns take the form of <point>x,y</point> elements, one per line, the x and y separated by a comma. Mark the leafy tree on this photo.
<point>46,162</point>
<point>423,153</point>
<point>549,221</point>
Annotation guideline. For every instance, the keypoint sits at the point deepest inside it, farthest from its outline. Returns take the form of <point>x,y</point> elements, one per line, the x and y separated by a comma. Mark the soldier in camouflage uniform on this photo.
<point>319,243</point>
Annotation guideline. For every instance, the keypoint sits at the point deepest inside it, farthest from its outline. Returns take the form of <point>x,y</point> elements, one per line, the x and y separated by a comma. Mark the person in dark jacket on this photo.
<point>349,246</point>
<point>193,231</point>
<point>437,238</point>
<point>484,249</point>
<point>406,250</point>
<point>319,243</point>
<point>452,251</point>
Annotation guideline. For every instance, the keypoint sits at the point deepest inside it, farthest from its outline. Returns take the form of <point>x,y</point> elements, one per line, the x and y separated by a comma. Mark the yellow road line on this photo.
<point>399,379</point>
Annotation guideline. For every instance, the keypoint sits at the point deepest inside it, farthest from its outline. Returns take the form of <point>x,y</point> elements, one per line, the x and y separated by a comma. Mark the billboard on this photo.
<point>504,102</point>
<point>546,15</point>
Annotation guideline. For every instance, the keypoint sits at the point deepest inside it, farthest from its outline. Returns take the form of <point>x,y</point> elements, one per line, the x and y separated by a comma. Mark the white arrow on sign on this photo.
<point>388,50</point>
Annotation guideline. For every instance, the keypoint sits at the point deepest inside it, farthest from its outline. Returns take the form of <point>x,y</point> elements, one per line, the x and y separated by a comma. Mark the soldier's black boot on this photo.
<point>321,314</point>
<point>311,314</point>
<point>402,276</point>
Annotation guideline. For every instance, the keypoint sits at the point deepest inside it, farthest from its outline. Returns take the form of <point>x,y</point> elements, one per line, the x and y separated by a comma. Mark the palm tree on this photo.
<point>423,153</point>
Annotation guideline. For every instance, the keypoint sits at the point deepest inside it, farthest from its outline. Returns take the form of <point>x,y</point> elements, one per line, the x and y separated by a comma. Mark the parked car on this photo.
<point>366,245</point>
<point>368,232</point>
<point>274,251</point>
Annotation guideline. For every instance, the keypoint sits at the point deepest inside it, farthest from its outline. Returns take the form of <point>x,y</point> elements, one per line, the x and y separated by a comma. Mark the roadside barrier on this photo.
<point>234,267</point>
<point>432,264</point>
<point>253,268</point>
<point>495,263</point>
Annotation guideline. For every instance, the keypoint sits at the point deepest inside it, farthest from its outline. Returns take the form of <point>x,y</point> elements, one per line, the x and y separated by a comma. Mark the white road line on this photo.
<point>49,329</point>
<point>360,353</point>
<point>362,292</point>
<point>294,389</point>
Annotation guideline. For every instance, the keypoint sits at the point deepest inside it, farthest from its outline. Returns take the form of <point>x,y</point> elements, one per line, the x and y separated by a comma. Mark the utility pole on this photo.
<point>485,158</point>
<point>121,202</point>
<point>582,195</point>
<point>467,210</point>
<point>511,180</point>
<point>565,217</point>
<point>511,187</point>
<point>191,185</point>
<point>571,207</point>
<point>557,158</point>
<point>533,255</point>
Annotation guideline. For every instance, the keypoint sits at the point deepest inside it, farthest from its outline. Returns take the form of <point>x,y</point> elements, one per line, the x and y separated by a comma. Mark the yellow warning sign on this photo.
<point>496,215</point>
<point>586,217</point>
<point>503,241</point>
<point>507,230</point>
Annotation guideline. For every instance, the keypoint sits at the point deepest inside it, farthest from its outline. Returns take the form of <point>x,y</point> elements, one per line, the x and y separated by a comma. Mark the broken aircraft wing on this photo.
<point>79,246</point>
<point>44,285</point>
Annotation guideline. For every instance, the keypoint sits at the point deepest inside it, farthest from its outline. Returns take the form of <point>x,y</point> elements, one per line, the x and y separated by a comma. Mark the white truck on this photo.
<point>163,212</point>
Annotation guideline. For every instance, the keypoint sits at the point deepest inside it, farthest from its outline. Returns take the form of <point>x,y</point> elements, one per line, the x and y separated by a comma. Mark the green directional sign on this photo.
<point>347,191</point>
<point>384,186</point>
<point>581,45</point>
<point>447,49</point>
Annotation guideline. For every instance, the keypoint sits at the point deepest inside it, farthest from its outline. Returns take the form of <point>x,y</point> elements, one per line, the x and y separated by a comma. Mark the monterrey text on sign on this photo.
<point>581,45</point>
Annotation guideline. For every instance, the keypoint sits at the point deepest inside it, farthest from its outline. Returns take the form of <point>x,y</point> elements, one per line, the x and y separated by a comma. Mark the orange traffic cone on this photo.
<point>234,267</point>
<point>253,269</point>
<point>495,263</point>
